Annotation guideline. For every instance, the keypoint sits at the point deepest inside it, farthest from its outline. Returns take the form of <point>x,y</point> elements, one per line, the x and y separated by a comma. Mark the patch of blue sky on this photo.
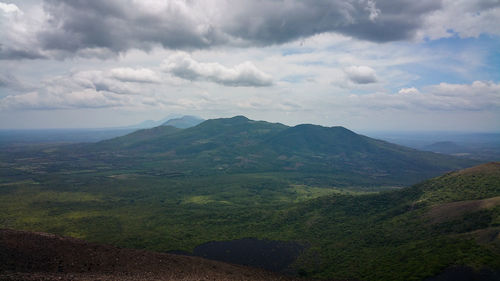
<point>360,92</point>
<point>313,62</point>
<point>296,78</point>
<point>458,60</point>
<point>295,51</point>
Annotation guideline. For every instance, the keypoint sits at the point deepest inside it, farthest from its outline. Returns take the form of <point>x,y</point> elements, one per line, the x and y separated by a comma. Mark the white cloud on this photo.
<point>9,8</point>
<point>467,18</point>
<point>141,75</point>
<point>18,39</point>
<point>116,87</point>
<point>372,8</point>
<point>86,98</point>
<point>478,96</point>
<point>245,74</point>
<point>408,91</point>
<point>266,104</point>
<point>361,74</point>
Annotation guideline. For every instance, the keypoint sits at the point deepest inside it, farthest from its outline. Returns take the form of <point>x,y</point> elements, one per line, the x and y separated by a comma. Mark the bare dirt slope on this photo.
<point>41,256</point>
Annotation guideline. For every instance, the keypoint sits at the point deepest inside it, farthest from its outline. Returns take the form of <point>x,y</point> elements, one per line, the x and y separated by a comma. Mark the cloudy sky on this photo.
<point>363,64</point>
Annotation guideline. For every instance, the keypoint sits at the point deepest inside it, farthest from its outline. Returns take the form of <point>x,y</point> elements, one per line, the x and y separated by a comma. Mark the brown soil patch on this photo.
<point>488,168</point>
<point>40,256</point>
<point>448,211</point>
<point>486,236</point>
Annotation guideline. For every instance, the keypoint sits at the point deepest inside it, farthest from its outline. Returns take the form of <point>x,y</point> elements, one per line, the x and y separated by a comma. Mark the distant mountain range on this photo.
<point>33,136</point>
<point>235,145</point>
<point>174,120</point>
<point>484,147</point>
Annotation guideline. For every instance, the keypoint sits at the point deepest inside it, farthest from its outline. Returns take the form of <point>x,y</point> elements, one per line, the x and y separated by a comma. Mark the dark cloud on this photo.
<point>76,25</point>
<point>99,28</point>
<point>121,25</point>
<point>274,22</point>
<point>18,54</point>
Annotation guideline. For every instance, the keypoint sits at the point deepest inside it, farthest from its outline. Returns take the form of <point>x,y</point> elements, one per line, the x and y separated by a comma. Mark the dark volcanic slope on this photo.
<point>41,256</point>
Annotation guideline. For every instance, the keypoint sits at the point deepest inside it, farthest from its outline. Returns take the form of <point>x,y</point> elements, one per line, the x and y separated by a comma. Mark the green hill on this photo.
<point>336,155</point>
<point>449,221</point>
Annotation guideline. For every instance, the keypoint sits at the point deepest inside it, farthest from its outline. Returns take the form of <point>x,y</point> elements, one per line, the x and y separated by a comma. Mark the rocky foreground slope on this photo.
<point>42,256</point>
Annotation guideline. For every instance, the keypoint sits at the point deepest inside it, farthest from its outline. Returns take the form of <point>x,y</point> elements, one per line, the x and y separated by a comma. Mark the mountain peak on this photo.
<point>236,120</point>
<point>239,118</point>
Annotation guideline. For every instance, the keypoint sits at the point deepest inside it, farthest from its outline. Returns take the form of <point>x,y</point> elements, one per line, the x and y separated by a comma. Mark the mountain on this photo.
<point>42,256</point>
<point>151,123</point>
<point>148,124</point>
<point>183,122</point>
<point>484,147</point>
<point>235,145</point>
<point>175,120</point>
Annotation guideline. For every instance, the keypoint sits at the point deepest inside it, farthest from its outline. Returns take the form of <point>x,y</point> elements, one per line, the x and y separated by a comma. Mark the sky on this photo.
<point>430,65</point>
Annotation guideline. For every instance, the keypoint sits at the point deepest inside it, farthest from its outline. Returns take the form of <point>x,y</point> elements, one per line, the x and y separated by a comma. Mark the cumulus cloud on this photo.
<point>18,38</point>
<point>246,74</point>
<point>258,103</point>
<point>64,28</point>
<point>115,87</point>
<point>465,18</point>
<point>99,28</point>
<point>9,8</point>
<point>86,98</point>
<point>478,96</point>
<point>361,74</point>
<point>118,80</point>
<point>408,91</point>
<point>372,8</point>
<point>275,22</point>
<point>141,75</point>
<point>7,53</point>
<point>122,25</point>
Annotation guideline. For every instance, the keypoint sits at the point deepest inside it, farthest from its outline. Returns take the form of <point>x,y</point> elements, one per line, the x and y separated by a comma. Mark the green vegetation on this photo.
<point>391,235</point>
<point>171,189</point>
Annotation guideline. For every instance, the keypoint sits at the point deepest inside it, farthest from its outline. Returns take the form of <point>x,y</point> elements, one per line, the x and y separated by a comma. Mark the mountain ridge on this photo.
<point>183,122</point>
<point>240,144</point>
